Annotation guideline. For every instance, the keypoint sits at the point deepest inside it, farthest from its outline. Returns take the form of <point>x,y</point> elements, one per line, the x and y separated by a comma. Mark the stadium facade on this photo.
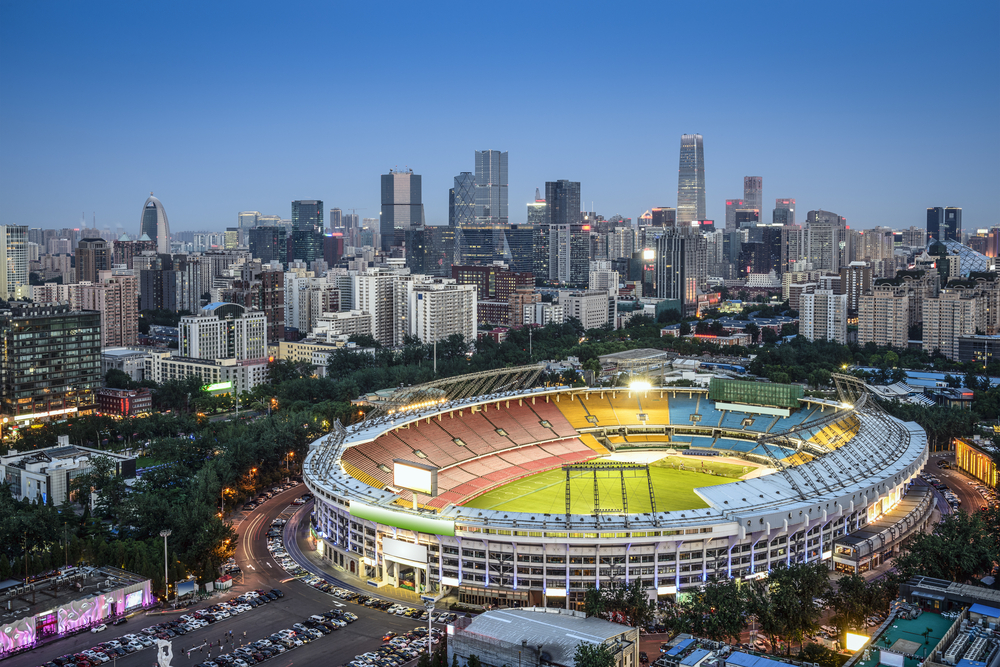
<point>838,470</point>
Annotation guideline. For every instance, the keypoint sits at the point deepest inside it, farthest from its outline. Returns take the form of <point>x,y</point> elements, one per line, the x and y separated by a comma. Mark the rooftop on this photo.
<point>60,589</point>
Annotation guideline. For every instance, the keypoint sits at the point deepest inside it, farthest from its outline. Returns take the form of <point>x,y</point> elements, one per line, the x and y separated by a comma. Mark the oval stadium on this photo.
<point>503,492</point>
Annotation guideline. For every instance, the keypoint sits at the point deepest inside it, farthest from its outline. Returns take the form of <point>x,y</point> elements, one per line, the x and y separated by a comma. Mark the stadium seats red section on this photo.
<point>501,442</point>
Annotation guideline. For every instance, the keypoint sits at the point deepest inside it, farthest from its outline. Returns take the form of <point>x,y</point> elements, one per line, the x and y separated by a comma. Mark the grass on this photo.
<point>546,491</point>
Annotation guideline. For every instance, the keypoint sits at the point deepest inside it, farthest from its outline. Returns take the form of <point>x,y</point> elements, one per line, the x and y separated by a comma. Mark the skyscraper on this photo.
<point>462,209</point>
<point>13,262</point>
<point>307,230</point>
<point>935,220</point>
<point>92,257</point>
<point>784,212</point>
<point>824,233</point>
<point>246,221</point>
<point>491,187</point>
<point>538,218</point>
<point>691,180</point>
<point>402,206</point>
<point>154,224</point>
<point>753,187</point>
<point>562,200</point>
<point>732,205</point>
<point>952,224</point>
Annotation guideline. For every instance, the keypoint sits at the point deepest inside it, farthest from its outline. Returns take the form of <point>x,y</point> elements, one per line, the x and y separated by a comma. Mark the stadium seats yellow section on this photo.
<point>798,458</point>
<point>592,442</point>
<point>601,408</point>
<point>574,412</point>
<point>647,438</point>
<point>837,434</point>
<point>360,475</point>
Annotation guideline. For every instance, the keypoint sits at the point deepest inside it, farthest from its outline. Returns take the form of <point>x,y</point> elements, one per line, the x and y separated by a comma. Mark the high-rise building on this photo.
<point>92,256</point>
<point>823,316</point>
<point>246,220</point>
<point>269,244</point>
<point>856,281</point>
<point>462,201</point>
<point>154,224</point>
<point>784,212</point>
<point>491,187</point>
<point>732,205</point>
<point>680,261</point>
<point>883,317</point>
<point>952,230</point>
<point>538,218</point>
<point>824,232</point>
<point>336,219</point>
<point>51,361</point>
<point>594,308</point>
<point>307,230</point>
<point>569,253</point>
<point>691,180</point>
<point>114,296</point>
<point>935,221</point>
<point>562,200</point>
<point>223,331</point>
<point>402,206</point>
<point>954,313</point>
<point>14,259</point>
<point>663,216</point>
<point>432,309</point>
<point>753,192</point>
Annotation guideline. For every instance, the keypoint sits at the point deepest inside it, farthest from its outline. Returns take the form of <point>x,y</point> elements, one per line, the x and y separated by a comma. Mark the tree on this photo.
<point>117,379</point>
<point>685,328</point>
<point>961,547</point>
<point>669,316</point>
<point>590,655</point>
<point>754,332</point>
<point>473,661</point>
<point>769,337</point>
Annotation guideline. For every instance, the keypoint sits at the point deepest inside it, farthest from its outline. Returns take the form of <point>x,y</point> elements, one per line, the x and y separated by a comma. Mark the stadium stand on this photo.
<point>703,441</point>
<point>681,406</point>
<point>593,444</point>
<point>732,419</point>
<point>572,410</point>
<point>562,426</point>
<point>601,408</point>
<point>744,446</point>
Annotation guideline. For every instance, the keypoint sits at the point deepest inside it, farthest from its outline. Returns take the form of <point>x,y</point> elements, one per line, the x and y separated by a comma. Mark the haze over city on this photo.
<point>870,111</point>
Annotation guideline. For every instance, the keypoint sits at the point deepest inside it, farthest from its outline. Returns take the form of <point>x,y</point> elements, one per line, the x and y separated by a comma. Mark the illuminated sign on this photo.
<point>133,600</point>
<point>666,590</point>
<point>42,415</point>
<point>218,386</point>
<point>586,228</point>
<point>556,592</point>
<point>399,519</point>
<point>416,477</point>
<point>649,253</point>
<point>856,642</point>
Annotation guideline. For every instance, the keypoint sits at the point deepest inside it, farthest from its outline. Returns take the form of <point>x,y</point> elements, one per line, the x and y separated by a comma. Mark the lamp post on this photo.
<point>429,606</point>
<point>165,533</point>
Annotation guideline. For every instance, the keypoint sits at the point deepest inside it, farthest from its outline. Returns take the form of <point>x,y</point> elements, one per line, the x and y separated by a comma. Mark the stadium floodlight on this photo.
<point>640,385</point>
<point>856,642</point>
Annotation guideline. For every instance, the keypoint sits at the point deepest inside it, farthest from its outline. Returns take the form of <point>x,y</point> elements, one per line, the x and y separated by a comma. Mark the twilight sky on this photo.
<point>873,110</point>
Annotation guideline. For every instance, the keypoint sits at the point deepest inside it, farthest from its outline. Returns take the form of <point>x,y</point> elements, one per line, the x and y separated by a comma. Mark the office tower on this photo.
<point>336,219</point>
<point>307,230</point>
<point>935,223</point>
<point>402,206</point>
<point>269,244</point>
<point>732,205</point>
<point>993,242</point>
<point>952,230</point>
<point>223,331</point>
<point>154,224</point>
<point>753,195</point>
<point>824,232</point>
<point>621,243</point>
<point>747,217</point>
<point>114,296</point>
<point>645,219</point>
<point>762,251</point>
<point>569,253</point>
<point>691,180</point>
<point>663,216</point>
<point>823,316</point>
<point>264,292</point>
<point>462,206</point>
<point>52,343</point>
<point>92,256</point>
<point>492,283</point>
<point>562,199</point>
<point>246,221</point>
<point>856,281</point>
<point>784,212</point>
<point>538,218</point>
<point>680,261</point>
<point>491,187</point>
<point>14,259</point>
<point>439,248</point>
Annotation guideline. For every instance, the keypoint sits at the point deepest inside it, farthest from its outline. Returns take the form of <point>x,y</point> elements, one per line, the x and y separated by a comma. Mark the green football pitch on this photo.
<point>546,492</point>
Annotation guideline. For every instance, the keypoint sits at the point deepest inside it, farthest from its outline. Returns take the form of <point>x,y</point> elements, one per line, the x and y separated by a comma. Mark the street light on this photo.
<point>165,533</point>
<point>429,606</point>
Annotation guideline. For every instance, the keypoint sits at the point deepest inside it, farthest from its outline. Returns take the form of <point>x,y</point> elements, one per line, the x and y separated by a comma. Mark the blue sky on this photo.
<point>872,110</point>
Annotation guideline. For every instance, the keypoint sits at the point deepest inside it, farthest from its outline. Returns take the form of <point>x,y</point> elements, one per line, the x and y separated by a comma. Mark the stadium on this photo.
<point>501,491</point>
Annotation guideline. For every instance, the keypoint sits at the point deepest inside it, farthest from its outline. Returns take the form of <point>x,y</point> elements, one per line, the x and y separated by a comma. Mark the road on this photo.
<point>958,482</point>
<point>260,571</point>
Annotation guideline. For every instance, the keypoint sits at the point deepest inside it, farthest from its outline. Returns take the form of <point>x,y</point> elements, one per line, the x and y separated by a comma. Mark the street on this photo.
<point>259,571</point>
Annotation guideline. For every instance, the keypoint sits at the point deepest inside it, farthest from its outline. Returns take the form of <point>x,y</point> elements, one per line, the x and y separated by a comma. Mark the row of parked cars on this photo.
<point>397,650</point>
<point>130,643</point>
<point>310,629</point>
<point>251,505</point>
<point>948,494</point>
<point>276,546</point>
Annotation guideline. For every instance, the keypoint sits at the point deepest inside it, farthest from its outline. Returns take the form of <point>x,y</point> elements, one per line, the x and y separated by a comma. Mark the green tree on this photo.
<point>961,547</point>
<point>591,655</point>
<point>473,661</point>
<point>118,379</point>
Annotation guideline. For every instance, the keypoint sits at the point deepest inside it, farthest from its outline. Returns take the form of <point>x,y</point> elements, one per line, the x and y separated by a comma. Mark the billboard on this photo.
<point>417,477</point>
<point>133,600</point>
<point>856,642</point>
<point>399,519</point>
<point>218,386</point>
<point>890,658</point>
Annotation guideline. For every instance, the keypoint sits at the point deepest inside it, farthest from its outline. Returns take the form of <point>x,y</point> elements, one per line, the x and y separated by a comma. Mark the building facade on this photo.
<point>14,257</point>
<point>402,206</point>
<point>823,316</point>
<point>154,224</point>
<point>223,331</point>
<point>491,187</point>
<point>691,180</point>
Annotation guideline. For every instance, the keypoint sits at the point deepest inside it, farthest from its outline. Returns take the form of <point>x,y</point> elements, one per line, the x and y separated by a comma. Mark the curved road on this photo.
<point>259,571</point>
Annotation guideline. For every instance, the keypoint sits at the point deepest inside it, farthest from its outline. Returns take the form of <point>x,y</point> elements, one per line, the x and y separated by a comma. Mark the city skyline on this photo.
<point>71,129</point>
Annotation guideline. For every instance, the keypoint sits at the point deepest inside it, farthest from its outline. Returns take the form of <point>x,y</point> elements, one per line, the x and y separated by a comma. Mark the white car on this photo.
<point>134,646</point>
<point>99,628</point>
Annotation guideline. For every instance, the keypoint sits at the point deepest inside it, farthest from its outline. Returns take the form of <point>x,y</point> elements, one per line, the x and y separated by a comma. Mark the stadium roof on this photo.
<point>559,631</point>
<point>970,260</point>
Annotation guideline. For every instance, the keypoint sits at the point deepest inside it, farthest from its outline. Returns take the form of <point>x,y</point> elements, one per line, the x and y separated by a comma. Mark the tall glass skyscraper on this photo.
<point>691,180</point>
<point>753,193</point>
<point>154,224</point>
<point>562,199</point>
<point>491,187</point>
<point>463,201</point>
<point>402,206</point>
<point>307,230</point>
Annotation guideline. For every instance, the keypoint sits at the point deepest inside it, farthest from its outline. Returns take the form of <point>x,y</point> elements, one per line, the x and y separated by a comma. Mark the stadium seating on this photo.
<point>732,420</point>
<point>552,412</point>
<point>735,445</point>
<point>681,406</point>
<point>593,444</point>
<point>710,417</point>
<point>703,441</point>
<point>572,410</point>
<point>601,408</point>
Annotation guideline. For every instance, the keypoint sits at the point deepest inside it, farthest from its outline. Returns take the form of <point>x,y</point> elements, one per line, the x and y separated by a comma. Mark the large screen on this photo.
<point>414,477</point>
<point>133,600</point>
<point>891,659</point>
<point>856,642</point>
